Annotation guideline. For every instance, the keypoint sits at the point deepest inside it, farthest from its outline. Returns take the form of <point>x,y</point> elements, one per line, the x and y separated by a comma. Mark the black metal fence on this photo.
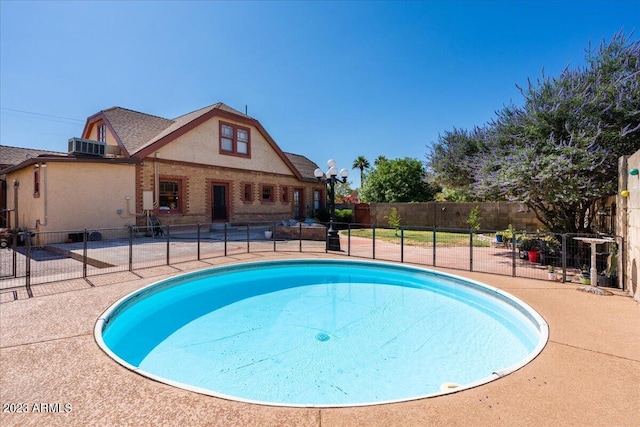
<point>37,258</point>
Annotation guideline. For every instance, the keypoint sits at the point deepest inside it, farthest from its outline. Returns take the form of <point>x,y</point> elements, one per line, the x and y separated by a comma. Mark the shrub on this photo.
<point>394,220</point>
<point>474,218</point>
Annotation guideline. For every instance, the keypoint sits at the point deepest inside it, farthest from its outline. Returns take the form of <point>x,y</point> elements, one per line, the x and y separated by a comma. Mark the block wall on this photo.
<point>494,216</point>
<point>629,222</point>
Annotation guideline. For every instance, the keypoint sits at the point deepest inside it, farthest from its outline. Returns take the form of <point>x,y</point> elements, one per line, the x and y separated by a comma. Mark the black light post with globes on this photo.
<point>331,177</point>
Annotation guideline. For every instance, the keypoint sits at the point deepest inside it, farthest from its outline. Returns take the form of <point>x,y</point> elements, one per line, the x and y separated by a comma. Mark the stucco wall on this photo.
<point>76,196</point>
<point>201,145</point>
<point>629,221</point>
<point>93,134</point>
<point>494,216</point>
<point>20,185</point>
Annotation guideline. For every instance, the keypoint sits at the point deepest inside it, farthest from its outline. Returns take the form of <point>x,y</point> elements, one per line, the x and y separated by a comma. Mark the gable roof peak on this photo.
<point>116,108</point>
<point>217,106</point>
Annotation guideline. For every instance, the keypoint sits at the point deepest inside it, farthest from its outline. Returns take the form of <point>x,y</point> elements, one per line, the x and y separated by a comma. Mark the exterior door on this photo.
<point>219,202</point>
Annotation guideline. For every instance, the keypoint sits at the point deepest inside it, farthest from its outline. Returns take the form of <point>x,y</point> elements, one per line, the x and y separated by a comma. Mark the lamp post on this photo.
<point>331,177</point>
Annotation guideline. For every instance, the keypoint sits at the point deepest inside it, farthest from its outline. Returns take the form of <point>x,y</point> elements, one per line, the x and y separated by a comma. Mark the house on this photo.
<point>213,165</point>
<point>11,156</point>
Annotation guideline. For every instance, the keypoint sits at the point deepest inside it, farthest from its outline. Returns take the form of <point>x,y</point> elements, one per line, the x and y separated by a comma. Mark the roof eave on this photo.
<point>65,159</point>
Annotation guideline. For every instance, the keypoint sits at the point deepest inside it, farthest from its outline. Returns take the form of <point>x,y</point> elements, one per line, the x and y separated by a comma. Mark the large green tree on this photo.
<point>398,180</point>
<point>451,162</point>
<point>558,152</point>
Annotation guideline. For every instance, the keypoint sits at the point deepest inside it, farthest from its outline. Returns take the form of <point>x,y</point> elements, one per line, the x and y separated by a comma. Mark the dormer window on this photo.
<point>235,140</point>
<point>102,132</point>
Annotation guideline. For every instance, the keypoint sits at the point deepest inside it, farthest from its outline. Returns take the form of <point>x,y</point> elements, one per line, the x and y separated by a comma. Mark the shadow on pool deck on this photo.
<point>588,373</point>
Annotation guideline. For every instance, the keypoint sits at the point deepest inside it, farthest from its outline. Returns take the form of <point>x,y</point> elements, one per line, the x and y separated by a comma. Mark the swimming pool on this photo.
<point>321,333</point>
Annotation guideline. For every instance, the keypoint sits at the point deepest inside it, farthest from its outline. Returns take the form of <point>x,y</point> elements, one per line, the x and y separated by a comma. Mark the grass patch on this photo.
<point>420,237</point>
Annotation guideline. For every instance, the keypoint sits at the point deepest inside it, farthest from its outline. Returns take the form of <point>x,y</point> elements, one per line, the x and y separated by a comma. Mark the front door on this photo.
<point>219,204</point>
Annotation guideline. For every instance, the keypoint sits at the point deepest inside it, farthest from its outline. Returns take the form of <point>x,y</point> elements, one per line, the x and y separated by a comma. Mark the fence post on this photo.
<point>349,239</point>
<point>168,243</point>
<point>471,249</point>
<point>513,254</point>
<point>326,239</point>
<point>401,244</point>
<point>373,235</point>
<point>27,237</point>
<point>248,238</point>
<point>15,254</point>
<point>84,254</point>
<point>564,258</point>
<point>198,225</point>
<point>300,236</point>
<point>434,245</point>
<point>130,248</point>
<point>273,224</point>
<point>225,239</point>
<point>622,271</point>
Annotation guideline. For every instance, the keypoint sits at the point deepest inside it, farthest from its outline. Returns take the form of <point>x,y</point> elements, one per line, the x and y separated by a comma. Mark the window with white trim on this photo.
<point>102,132</point>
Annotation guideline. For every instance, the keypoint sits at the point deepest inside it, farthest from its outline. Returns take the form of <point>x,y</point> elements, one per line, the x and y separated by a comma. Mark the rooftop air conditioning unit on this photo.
<point>113,151</point>
<point>87,146</point>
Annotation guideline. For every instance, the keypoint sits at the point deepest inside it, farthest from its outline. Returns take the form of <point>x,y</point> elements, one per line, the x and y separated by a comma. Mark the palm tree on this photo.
<point>379,160</point>
<point>361,163</point>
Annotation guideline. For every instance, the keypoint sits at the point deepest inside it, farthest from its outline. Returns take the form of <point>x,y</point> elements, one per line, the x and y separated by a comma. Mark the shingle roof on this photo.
<point>304,166</point>
<point>11,156</point>
<point>133,128</point>
<point>139,130</point>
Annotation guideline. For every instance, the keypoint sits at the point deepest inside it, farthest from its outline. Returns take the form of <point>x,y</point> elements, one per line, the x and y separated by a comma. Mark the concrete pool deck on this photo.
<point>588,374</point>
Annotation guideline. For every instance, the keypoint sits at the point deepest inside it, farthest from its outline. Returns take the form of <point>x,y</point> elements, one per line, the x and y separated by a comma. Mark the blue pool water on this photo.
<point>321,332</point>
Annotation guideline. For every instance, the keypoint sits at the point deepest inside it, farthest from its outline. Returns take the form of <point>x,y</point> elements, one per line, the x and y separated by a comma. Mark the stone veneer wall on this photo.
<point>494,215</point>
<point>629,222</point>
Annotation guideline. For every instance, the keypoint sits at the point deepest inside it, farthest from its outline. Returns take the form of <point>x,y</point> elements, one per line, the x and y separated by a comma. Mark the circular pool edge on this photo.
<point>122,303</point>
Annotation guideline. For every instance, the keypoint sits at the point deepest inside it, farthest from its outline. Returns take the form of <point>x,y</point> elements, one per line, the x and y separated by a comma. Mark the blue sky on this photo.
<point>326,79</point>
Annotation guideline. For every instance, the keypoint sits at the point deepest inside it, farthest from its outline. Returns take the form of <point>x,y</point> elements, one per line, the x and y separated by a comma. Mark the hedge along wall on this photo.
<point>494,215</point>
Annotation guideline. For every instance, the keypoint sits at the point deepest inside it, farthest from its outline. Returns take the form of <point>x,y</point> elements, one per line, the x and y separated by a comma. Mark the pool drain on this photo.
<point>322,337</point>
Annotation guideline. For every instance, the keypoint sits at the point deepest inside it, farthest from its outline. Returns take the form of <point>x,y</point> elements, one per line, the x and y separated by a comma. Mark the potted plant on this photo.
<point>551,273</point>
<point>610,276</point>
<point>507,235</point>
<point>550,250</point>
<point>532,247</point>
<point>585,275</point>
<point>268,234</point>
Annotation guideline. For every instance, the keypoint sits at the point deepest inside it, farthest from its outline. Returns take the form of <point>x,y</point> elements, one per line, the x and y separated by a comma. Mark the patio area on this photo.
<point>588,374</point>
